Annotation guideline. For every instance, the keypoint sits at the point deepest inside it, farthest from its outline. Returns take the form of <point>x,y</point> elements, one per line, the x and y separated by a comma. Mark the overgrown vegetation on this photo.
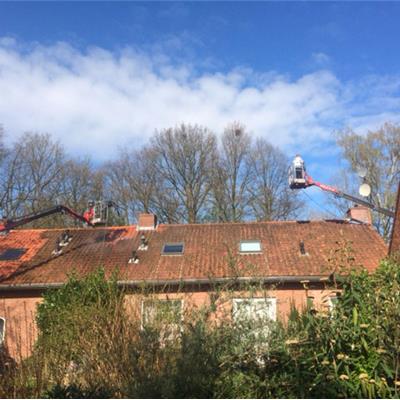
<point>92,344</point>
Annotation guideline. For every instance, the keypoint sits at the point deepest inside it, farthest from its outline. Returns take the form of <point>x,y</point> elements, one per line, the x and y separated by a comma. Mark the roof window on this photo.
<point>11,254</point>
<point>250,246</point>
<point>171,249</point>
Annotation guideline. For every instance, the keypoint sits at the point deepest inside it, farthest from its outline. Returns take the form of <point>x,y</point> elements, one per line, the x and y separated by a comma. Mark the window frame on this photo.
<point>251,251</point>
<point>142,324</point>
<point>271,299</point>
<point>310,302</point>
<point>332,300</point>
<point>163,253</point>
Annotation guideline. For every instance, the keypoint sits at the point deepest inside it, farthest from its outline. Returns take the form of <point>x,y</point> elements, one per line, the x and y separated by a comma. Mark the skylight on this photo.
<point>172,249</point>
<point>11,254</point>
<point>250,246</point>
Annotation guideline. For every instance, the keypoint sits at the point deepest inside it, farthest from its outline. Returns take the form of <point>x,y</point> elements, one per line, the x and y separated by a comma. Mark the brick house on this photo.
<point>181,262</point>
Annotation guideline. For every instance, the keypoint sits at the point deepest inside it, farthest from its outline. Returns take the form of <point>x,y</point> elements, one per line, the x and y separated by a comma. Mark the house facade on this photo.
<point>293,261</point>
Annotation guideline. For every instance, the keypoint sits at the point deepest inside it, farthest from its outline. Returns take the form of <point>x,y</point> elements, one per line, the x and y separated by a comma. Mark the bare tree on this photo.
<point>184,158</point>
<point>270,196</point>
<point>178,175</point>
<point>3,150</point>
<point>231,175</point>
<point>132,181</point>
<point>77,185</point>
<point>31,176</point>
<point>37,175</point>
<point>9,164</point>
<point>379,153</point>
<point>43,163</point>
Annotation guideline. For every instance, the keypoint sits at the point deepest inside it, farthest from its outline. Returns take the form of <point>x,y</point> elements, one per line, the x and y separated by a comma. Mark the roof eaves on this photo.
<point>176,282</point>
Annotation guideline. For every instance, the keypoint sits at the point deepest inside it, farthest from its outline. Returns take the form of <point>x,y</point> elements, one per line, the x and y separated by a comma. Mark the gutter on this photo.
<point>279,279</point>
<point>207,281</point>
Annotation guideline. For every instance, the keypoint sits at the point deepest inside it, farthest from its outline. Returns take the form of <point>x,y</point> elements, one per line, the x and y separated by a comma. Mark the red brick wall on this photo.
<point>20,328</point>
<point>147,221</point>
<point>21,331</point>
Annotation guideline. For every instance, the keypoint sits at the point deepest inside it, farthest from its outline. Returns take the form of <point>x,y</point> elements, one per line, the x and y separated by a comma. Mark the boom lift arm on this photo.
<point>299,179</point>
<point>97,213</point>
<point>7,225</point>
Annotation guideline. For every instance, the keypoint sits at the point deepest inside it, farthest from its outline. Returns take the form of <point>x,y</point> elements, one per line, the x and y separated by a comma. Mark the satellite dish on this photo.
<point>362,172</point>
<point>364,190</point>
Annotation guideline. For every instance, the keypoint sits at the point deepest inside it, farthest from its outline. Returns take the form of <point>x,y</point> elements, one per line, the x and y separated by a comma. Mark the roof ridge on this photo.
<point>260,222</point>
<point>134,226</point>
<point>88,228</point>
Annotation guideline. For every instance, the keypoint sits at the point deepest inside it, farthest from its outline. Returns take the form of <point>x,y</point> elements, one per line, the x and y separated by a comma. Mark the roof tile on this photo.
<point>208,248</point>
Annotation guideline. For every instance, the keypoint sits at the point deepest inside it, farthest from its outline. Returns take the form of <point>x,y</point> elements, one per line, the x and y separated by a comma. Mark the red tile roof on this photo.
<point>395,240</point>
<point>206,251</point>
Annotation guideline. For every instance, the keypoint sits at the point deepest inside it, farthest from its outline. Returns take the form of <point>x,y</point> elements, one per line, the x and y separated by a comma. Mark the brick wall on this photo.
<point>20,329</point>
<point>19,310</point>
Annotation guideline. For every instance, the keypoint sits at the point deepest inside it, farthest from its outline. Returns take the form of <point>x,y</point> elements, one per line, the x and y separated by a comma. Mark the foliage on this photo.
<point>90,346</point>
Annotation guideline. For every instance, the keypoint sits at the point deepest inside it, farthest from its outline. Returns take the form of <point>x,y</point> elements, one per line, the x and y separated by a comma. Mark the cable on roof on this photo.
<point>319,205</point>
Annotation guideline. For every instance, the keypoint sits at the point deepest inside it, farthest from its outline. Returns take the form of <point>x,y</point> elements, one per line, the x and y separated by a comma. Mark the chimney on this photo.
<point>360,213</point>
<point>147,222</point>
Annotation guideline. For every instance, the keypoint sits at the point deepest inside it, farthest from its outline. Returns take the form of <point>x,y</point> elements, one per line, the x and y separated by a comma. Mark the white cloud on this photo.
<point>95,100</point>
<point>320,59</point>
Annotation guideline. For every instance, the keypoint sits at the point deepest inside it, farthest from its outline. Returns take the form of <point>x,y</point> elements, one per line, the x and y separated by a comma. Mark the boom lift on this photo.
<point>96,214</point>
<point>299,179</point>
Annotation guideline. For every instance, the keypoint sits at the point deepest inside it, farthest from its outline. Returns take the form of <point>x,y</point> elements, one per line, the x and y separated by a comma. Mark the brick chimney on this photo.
<point>147,222</point>
<point>360,213</point>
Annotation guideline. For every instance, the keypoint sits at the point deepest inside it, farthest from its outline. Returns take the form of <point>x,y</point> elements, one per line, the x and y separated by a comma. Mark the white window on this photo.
<point>250,246</point>
<point>2,329</point>
<point>254,308</point>
<point>165,315</point>
<point>310,302</point>
<point>332,300</point>
<point>255,316</point>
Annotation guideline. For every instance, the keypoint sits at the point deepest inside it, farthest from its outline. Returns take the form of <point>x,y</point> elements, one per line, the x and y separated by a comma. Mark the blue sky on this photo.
<point>357,38</point>
<point>113,72</point>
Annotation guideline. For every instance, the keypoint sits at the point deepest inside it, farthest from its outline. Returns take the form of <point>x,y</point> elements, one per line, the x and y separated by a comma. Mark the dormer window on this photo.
<point>172,249</point>
<point>250,246</point>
